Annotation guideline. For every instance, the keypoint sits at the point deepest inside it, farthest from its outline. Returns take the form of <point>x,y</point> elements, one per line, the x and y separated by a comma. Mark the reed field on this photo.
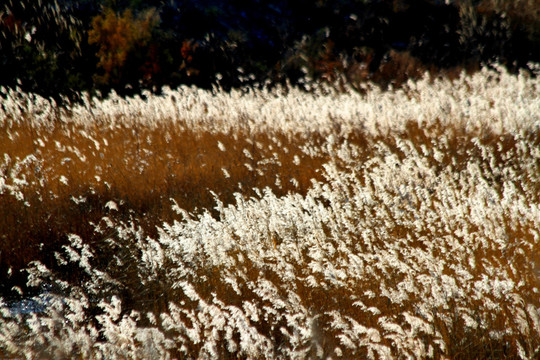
<point>274,223</point>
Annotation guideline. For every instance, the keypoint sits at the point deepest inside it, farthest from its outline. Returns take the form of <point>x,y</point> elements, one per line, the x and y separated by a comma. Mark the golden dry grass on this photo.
<point>392,237</point>
<point>140,168</point>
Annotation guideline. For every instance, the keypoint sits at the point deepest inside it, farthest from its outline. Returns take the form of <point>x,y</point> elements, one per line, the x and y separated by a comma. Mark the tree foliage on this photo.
<point>122,41</point>
<point>41,47</point>
<point>56,48</point>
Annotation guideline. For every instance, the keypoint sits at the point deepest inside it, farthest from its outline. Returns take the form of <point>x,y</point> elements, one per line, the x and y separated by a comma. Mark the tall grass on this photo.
<point>275,224</point>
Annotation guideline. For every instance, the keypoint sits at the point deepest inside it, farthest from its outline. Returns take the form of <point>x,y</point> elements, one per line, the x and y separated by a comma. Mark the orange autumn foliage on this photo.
<point>119,38</point>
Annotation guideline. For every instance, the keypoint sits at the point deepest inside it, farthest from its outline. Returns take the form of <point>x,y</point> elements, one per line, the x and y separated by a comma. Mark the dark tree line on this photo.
<point>60,48</point>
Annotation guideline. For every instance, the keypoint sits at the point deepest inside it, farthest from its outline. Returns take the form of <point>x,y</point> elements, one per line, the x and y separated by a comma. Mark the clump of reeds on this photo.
<point>280,224</point>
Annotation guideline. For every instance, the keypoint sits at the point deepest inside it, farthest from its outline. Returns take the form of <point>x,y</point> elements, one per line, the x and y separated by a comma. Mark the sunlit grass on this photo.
<point>275,224</point>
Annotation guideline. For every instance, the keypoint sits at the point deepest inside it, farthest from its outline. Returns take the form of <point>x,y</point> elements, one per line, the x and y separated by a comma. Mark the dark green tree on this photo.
<point>42,48</point>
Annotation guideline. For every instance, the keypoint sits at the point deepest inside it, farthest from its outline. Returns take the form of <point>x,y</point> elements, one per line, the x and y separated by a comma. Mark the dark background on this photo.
<point>60,48</point>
